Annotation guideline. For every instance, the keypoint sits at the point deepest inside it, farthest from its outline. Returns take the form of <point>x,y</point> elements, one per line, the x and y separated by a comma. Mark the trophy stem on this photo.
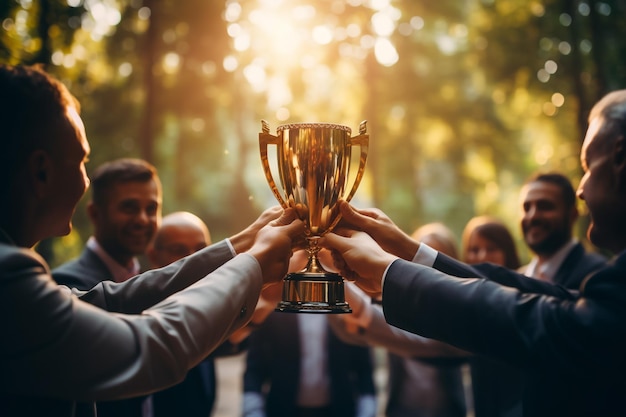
<point>313,289</point>
<point>313,265</point>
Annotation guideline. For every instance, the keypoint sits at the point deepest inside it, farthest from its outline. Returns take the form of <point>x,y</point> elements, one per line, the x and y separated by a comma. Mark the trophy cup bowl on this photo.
<point>313,163</point>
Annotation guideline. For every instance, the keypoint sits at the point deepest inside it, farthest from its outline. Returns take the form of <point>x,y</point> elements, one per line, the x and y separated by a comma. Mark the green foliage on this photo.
<point>469,99</point>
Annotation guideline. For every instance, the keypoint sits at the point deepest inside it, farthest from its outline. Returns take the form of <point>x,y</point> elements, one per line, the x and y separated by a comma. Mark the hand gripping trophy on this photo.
<point>313,162</point>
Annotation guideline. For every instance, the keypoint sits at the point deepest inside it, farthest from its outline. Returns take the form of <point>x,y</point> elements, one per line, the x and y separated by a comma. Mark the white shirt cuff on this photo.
<point>232,248</point>
<point>425,255</point>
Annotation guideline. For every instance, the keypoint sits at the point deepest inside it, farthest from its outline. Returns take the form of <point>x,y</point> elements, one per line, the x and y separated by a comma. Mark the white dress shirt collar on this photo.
<point>547,269</point>
<point>119,272</point>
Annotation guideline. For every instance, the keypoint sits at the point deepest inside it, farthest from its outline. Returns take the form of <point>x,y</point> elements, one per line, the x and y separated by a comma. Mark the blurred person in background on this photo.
<point>496,385</point>
<point>297,367</point>
<point>487,239</point>
<point>182,233</point>
<point>125,211</point>
<point>430,387</point>
<point>549,213</point>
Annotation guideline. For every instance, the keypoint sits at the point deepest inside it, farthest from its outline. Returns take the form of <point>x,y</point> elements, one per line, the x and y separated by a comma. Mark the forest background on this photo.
<point>463,99</point>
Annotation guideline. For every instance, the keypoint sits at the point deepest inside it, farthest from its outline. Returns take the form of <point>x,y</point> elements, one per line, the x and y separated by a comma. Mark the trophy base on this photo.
<point>313,292</point>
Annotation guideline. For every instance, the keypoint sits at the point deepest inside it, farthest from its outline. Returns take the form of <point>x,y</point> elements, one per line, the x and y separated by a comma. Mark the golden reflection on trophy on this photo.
<point>313,163</point>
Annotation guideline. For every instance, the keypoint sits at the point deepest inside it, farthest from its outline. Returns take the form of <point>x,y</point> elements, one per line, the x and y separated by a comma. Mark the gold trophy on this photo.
<point>314,162</point>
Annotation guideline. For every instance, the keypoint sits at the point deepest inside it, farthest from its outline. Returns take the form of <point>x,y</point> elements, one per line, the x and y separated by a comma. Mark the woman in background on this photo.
<point>496,386</point>
<point>431,387</point>
<point>487,239</point>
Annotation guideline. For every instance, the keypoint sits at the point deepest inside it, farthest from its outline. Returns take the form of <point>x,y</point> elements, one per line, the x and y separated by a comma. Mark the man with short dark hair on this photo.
<point>549,214</point>
<point>125,211</point>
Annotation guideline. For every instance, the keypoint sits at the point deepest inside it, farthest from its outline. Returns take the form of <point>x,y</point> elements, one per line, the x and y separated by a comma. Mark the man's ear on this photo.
<point>92,211</point>
<point>40,172</point>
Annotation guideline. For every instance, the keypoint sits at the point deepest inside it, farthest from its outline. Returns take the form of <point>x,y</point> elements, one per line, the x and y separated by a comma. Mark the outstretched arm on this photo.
<point>367,326</point>
<point>145,290</point>
<point>124,355</point>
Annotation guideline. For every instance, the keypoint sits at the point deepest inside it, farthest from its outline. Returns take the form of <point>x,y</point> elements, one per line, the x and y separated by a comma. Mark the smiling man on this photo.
<point>125,210</point>
<point>549,214</point>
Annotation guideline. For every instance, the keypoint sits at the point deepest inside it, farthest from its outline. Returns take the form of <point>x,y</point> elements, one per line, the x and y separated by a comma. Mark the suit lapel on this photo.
<point>567,270</point>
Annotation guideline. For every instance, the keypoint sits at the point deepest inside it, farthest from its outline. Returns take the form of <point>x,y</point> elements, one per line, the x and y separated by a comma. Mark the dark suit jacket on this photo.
<point>576,266</point>
<point>498,386</point>
<point>84,273</point>
<point>570,345</point>
<point>194,397</point>
<point>274,357</point>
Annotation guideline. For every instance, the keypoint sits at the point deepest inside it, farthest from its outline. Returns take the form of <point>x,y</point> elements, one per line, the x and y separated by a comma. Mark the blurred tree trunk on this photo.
<point>372,115</point>
<point>44,54</point>
<point>599,53</point>
<point>576,68</point>
<point>150,46</point>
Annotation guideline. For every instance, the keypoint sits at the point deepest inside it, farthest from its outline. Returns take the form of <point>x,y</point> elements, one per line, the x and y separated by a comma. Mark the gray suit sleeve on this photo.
<point>144,290</point>
<point>62,347</point>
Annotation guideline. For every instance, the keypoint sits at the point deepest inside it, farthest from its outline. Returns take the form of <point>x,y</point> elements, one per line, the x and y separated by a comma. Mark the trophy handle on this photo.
<point>265,139</point>
<point>363,142</point>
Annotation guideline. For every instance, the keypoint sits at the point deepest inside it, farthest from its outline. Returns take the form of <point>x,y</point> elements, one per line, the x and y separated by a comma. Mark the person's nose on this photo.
<point>579,190</point>
<point>143,217</point>
<point>529,213</point>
